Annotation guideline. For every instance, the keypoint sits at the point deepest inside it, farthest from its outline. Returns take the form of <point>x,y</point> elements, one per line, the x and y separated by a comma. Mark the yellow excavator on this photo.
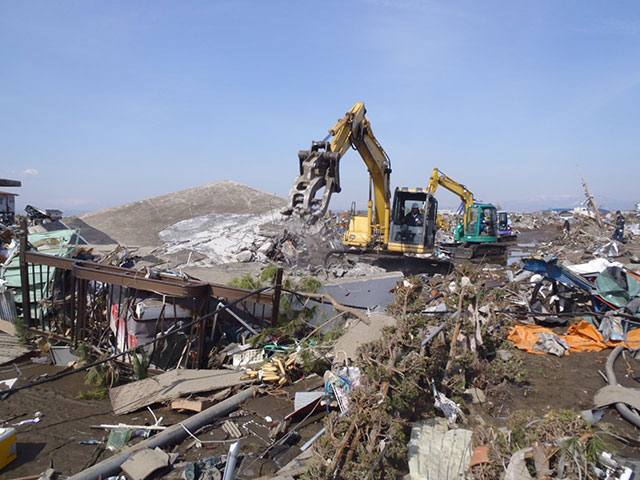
<point>404,224</point>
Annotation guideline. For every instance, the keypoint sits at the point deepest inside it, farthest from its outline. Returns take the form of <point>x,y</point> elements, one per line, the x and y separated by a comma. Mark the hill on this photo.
<point>138,223</point>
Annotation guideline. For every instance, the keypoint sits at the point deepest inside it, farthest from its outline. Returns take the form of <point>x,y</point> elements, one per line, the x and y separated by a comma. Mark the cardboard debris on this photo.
<point>517,468</point>
<point>480,456</point>
<point>611,394</point>
<point>168,386</point>
<point>144,462</point>
<point>198,405</point>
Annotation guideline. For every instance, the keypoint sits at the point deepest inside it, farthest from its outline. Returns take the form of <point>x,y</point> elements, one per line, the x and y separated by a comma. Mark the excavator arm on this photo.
<point>319,168</point>
<point>438,178</point>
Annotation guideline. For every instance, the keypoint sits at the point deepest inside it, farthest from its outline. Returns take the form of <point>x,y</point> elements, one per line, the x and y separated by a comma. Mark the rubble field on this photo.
<point>516,367</point>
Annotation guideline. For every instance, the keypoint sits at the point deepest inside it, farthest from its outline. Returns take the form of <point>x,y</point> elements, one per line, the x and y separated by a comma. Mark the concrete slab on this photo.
<point>359,333</point>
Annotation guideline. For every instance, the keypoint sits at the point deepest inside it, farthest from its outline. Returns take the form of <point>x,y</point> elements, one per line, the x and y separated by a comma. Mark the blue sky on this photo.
<point>105,103</point>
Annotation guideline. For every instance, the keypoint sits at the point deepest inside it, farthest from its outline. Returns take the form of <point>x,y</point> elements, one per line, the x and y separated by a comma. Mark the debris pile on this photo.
<point>265,238</point>
<point>480,371</point>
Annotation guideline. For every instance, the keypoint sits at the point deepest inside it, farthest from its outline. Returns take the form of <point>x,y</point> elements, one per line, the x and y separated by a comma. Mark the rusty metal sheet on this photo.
<point>135,279</point>
<point>50,260</point>
<point>233,293</point>
<point>126,277</point>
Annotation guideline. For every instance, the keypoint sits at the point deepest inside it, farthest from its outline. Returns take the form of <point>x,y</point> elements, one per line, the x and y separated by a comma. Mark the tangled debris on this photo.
<point>446,368</point>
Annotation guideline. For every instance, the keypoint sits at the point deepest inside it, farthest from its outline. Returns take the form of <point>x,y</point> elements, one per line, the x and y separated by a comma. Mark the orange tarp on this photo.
<point>581,337</point>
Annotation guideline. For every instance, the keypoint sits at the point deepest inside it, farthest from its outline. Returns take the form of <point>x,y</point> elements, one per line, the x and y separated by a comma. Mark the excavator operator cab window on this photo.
<point>488,222</point>
<point>472,221</point>
<point>503,221</point>
<point>412,221</point>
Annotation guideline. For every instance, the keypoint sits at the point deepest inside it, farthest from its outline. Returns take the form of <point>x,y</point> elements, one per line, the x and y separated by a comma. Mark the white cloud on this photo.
<point>31,171</point>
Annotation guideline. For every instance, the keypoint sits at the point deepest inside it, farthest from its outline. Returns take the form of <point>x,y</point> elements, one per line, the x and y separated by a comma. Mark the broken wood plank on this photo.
<point>337,306</point>
<point>169,386</point>
<point>8,327</point>
<point>199,404</point>
<point>10,348</point>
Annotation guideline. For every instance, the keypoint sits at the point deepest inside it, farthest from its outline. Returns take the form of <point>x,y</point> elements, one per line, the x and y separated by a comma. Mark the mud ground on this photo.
<point>67,420</point>
<point>551,383</point>
<point>570,383</point>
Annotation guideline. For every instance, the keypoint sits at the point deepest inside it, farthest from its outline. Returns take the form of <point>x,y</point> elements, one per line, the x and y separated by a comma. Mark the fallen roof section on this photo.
<point>168,386</point>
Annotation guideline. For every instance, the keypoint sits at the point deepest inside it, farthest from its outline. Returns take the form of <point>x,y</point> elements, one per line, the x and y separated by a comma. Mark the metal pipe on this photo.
<point>434,333</point>
<point>319,434</point>
<point>624,410</point>
<point>24,273</point>
<point>233,314</point>
<point>172,435</point>
<point>232,458</point>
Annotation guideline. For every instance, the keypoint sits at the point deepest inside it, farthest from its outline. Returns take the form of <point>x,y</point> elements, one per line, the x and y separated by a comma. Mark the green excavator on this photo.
<point>477,234</point>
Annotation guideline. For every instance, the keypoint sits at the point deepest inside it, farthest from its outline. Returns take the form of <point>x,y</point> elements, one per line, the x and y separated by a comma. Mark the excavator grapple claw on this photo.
<point>319,168</point>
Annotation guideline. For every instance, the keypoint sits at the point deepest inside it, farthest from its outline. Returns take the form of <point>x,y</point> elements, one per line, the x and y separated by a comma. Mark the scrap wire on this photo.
<point>320,300</point>
<point>278,442</point>
<point>204,442</point>
<point>154,416</point>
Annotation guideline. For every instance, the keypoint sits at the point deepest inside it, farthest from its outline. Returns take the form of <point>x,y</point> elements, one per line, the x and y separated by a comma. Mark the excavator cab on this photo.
<point>482,225</point>
<point>505,230</point>
<point>413,221</point>
<point>503,222</point>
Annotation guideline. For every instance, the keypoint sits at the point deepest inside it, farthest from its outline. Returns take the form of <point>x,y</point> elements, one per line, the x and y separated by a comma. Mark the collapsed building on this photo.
<point>299,367</point>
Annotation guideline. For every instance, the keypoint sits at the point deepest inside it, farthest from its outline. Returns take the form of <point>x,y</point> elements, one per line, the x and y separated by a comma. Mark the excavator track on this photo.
<point>390,261</point>
<point>468,251</point>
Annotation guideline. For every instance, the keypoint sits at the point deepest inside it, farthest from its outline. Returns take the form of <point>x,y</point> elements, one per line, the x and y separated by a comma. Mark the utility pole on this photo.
<point>590,200</point>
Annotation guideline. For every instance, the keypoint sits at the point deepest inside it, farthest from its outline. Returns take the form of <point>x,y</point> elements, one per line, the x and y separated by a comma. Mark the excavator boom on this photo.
<point>319,169</point>
<point>439,178</point>
<point>407,228</point>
